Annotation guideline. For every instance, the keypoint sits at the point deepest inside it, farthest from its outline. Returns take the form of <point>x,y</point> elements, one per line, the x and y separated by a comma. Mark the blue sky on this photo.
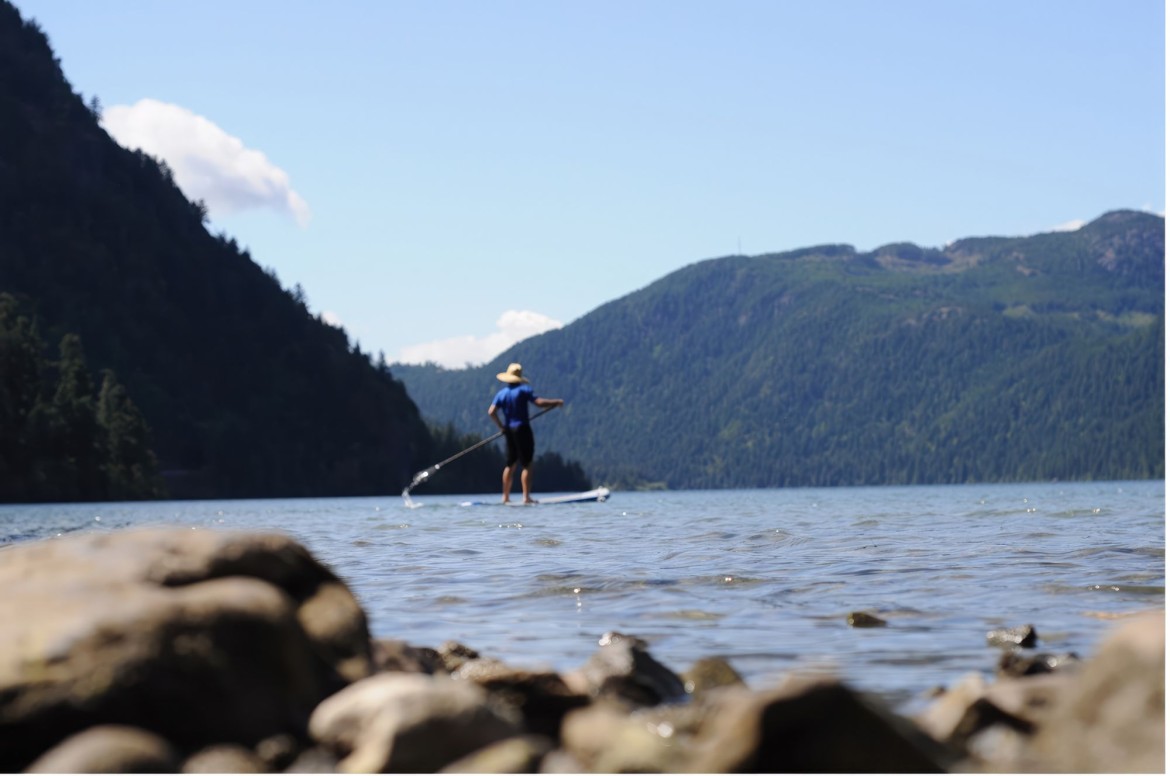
<point>443,178</point>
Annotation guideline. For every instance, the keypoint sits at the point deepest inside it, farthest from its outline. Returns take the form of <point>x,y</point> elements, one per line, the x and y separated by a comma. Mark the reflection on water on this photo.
<point>765,578</point>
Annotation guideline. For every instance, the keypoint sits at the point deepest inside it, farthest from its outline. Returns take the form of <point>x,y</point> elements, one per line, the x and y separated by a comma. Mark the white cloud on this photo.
<point>332,319</point>
<point>456,352</point>
<point>1068,226</point>
<point>208,163</point>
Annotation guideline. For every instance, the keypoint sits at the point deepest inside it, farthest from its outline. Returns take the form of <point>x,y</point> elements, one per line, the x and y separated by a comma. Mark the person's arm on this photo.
<point>492,410</point>
<point>541,402</point>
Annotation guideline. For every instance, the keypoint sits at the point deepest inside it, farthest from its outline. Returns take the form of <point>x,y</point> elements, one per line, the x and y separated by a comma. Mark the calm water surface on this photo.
<point>764,578</point>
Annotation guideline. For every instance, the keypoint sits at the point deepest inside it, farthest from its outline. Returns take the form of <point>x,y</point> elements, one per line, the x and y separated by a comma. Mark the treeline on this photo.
<point>63,437</point>
<point>996,359</point>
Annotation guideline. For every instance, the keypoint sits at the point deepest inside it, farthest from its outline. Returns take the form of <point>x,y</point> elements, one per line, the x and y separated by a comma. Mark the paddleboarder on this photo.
<point>512,401</point>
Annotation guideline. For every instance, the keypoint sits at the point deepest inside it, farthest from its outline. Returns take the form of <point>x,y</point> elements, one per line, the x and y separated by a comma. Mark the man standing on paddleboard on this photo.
<point>513,400</point>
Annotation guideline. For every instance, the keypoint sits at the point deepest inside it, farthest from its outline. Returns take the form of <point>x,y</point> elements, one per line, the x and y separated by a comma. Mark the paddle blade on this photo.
<point>423,476</point>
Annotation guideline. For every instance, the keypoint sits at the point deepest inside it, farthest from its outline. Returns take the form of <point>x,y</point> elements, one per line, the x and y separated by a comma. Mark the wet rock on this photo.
<point>397,655</point>
<point>623,669</point>
<point>1030,698</point>
<point>109,749</point>
<point>199,636</point>
<point>453,654</point>
<point>941,718</point>
<point>710,673</point>
<point>811,725</point>
<point>336,625</point>
<point>1106,714</point>
<point>1027,698</point>
<point>542,698</point>
<point>1111,716</point>
<point>224,758</point>
<point>409,722</point>
<point>614,637</point>
<point>560,761</point>
<point>864,620</point>
<point>995,749</point>
<point>278,752</point>
<point>316,759</point>
<point>606,738</point>
<point>1016,663</point>
<point>1010,638</point>
<point>522,754</point>
<point>981,715</point>
<point>1013,708</point>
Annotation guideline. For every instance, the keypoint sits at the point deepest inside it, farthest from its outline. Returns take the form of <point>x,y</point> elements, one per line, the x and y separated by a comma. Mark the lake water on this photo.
<point>764,578</point>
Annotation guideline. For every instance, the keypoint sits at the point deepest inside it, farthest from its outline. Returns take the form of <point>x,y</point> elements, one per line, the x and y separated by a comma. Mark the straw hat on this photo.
<point>514,375</point>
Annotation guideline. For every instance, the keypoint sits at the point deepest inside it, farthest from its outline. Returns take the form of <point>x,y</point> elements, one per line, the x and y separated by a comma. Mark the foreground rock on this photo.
<point>109,749</point>
<point>813,725</point>
<point>1105,715</point>
<point>410,723</point>
<point>199,637</point>
<point>176,650</point>
<point>1112,718</point>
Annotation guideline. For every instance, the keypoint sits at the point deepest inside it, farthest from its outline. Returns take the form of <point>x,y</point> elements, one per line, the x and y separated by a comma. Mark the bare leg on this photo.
<point>507,479</point>
<point>525,485</point>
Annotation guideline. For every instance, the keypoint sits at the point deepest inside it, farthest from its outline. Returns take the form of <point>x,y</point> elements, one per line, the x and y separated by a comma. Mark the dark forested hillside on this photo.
<point>993,359</point>
<point>245,392</point>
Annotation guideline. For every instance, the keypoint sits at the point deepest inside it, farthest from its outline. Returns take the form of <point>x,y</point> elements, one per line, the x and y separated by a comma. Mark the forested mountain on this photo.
<point>212,367</point>
<point>992,359</point>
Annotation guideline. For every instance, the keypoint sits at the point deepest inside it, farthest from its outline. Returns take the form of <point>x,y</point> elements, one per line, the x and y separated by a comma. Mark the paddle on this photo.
<point>426,474</point>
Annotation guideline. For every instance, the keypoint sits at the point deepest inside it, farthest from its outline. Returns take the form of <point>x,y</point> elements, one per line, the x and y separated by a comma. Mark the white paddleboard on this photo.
<point>597,494</point>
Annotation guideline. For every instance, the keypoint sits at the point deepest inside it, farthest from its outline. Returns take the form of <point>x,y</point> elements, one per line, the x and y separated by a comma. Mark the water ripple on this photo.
<point>765,578</point>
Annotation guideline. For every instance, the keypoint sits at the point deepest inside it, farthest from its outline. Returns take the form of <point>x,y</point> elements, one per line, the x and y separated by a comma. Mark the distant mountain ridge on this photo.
<point>992,359</point>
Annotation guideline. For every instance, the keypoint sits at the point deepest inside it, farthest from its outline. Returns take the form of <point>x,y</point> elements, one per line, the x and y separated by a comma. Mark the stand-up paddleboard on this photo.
<point>597,494</point>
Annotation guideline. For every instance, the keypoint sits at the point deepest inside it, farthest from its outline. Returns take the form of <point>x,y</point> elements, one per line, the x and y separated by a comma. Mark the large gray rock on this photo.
<point>225,758</point>
<point>1106,714</point>
<point>710,673</point>
<point>810,725</point>
<point>606,738</point>
<point>1112,717</point>
<point>522,754</point>
<point>409,723</point>
<point>623,669</point>
<point>542,698</point>
<point>199,636</point>
<point>108,749</point>
<point>397,655</point>
<point>972,706</point>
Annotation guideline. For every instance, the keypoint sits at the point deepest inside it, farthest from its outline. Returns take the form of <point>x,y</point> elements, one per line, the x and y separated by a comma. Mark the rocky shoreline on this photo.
<point>198,651</point>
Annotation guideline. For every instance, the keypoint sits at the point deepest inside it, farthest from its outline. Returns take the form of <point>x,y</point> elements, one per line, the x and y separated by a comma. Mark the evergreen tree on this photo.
<point>73,437</point>
<point>20,390</point>
<point>130,468</point>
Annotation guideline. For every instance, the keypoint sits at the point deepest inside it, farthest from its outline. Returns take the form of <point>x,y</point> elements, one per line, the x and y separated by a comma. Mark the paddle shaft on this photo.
<point>424,474</point>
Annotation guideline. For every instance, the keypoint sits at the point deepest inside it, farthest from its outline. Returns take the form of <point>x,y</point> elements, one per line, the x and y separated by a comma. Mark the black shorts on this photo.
<point>521,445</point>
